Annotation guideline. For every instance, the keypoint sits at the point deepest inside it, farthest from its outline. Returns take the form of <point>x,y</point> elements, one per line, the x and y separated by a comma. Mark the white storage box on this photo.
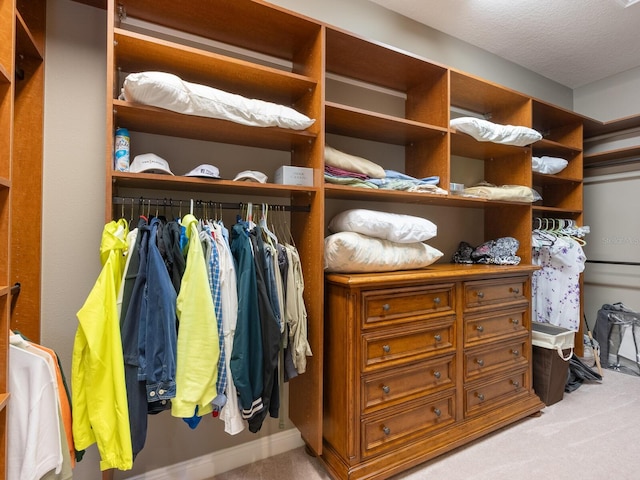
<point>289,175</point>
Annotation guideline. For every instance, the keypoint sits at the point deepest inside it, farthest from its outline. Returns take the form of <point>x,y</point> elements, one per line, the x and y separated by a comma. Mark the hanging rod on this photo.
<point>610,262</point>
<point>170,202</point>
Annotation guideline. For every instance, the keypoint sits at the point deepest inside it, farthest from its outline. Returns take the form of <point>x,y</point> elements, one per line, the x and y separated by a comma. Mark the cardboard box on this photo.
<point>288,175</point>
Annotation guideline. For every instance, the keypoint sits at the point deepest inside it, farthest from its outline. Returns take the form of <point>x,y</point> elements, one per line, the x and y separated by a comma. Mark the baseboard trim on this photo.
<point>215,463</point>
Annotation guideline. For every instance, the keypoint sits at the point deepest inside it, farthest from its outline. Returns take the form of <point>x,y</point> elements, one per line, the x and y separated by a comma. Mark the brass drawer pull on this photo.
<point>515,352</point>
<point>480,328</point>
<point>437,337</point>
<point>515,290</point>
<point>480,362</point>
<point>386,348</point>
<point>386,389</point>
<point>515,383</point>
<point>480,294</point>
<point>515,321</point>
<point>386,430</point>
<point>437,300</point>
<point>437,411</point>
<point>386,307</point>
<point>480,396</point>
<point>437,374</point>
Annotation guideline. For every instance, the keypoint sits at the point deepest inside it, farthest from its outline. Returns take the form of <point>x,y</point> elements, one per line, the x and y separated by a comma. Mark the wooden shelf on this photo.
<point>558,126</point>
<point>464,145</point>
<point>609,156</point>
<point>4,75</point>
<point>594,128</point>
<point>494,102</point>
<point>344,192</point>
<point>26,44</point>
<point>136,52</point>
<point>554,149</point>
<point>358,123</point>
<point>142,118</point>
<point>255,26</point>
<point>5,182</point>
<point>102,4</point>
<point>4,400</point>
<point>351,56</point>
<point>556,211</point>
<point>545,179</point>
<point>168,183</point>
<point>423,84</point>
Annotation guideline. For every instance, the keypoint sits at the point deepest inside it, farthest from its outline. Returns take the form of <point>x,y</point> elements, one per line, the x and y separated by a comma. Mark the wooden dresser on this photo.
<point>420,362</point>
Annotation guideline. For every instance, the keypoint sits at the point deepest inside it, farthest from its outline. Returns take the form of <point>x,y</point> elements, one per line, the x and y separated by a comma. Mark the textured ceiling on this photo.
<point>573,42</point>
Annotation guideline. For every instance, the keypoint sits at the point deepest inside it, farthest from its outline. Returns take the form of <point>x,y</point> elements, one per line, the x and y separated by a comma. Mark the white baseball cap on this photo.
<point>205,170</point>
<point>149,163</point>
<point>251,176</point>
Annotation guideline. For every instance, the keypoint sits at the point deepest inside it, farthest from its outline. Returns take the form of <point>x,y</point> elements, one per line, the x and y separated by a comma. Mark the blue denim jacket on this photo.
<point>157,335</point>
<point>132,310</point>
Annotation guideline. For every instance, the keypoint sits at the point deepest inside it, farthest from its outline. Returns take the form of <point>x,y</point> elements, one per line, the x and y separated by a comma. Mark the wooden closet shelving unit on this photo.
<point>254,50</point>
<point>594,129</point>
<point>258,50</point>
<point>22,36</point>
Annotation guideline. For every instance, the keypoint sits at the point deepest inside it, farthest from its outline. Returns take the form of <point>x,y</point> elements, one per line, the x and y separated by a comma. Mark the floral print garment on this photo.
<point>556,286</point>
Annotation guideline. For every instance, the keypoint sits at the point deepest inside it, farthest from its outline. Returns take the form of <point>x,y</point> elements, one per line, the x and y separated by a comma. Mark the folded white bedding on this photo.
<point>165,90</point>
<point>485,131</point>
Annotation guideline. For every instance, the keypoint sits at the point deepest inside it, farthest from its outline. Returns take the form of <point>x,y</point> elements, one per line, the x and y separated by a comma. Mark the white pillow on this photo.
<point>352,163</point>
<point>394,227</point>
<point>165,90</point>
<point>548,165</point>
<point>485,131</point>
<point>355,253</point>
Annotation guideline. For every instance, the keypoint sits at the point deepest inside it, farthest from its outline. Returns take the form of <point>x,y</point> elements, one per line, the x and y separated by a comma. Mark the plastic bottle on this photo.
<point>121,149</point>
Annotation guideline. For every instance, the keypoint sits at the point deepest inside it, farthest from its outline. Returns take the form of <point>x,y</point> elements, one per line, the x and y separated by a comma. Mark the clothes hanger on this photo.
<point>538,222</point>
<point>287,231</point>
<point>546,224</point>
<point>268,234</point>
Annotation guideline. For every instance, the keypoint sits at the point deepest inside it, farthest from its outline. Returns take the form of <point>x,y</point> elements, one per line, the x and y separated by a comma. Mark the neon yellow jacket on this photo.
<point>197,349</point>
<point>99,396</point>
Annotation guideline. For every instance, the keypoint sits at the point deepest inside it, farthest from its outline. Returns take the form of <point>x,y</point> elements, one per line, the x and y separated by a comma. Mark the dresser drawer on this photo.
<point>394,430</point>
<point>489,394</point>
<point>396,346</point>
<point>381,390</point>
<point>502,357</point>
<point>402,304</point>
<point>492,292</point>
<point>485,328</point>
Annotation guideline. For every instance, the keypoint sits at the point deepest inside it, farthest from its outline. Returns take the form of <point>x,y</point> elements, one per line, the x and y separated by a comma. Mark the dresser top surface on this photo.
<point>433,273</point>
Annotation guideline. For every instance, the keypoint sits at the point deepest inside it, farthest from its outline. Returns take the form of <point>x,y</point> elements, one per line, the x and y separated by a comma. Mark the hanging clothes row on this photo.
<point>191,317</point>
<point>149,207</point>
<point>557,250</point>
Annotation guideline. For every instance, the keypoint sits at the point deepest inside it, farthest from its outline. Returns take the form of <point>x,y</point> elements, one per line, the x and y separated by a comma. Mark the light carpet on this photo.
<point>592,434</point>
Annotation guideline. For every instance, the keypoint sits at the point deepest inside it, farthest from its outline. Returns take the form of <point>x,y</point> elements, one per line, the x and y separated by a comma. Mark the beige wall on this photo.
<point>74,179</point>
<point>610,197</point>
<point>73,188</point>
<point>611,98</point>
<point>611,201</point>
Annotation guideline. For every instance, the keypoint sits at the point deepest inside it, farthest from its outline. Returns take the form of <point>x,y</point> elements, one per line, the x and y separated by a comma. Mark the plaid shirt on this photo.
<point>214,282</point>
